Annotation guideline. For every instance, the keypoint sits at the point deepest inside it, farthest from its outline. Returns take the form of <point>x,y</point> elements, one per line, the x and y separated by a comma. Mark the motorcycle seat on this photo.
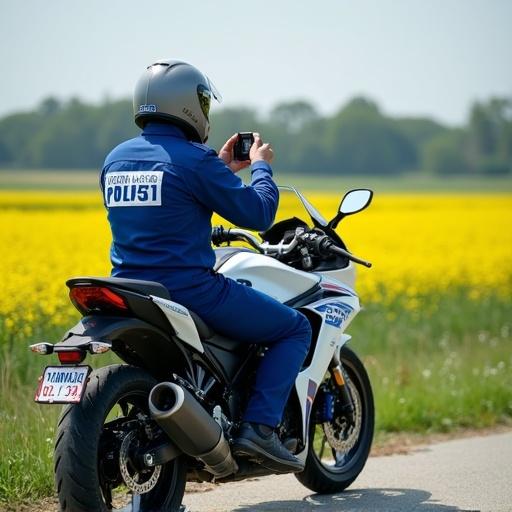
<point>133,285</point>
<point>210,337</point>
<point>204,330</point>
<point>226,344</point>
<point>206,333</point>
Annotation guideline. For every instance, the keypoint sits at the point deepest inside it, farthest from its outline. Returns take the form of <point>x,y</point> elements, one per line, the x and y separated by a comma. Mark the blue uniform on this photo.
<point>160,191</point>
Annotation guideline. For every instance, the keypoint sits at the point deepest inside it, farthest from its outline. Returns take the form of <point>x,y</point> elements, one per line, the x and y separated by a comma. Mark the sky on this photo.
<point>414,57</point>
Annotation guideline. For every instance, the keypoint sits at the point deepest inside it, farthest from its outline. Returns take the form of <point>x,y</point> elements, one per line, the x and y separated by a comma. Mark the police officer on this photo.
<point>160,190</point>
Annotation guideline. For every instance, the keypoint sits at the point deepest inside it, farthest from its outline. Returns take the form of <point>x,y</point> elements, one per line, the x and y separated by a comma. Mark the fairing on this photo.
<point>346,275</point>
<point>268,275</point>
<point>181,321</point>
<point>336,313</point>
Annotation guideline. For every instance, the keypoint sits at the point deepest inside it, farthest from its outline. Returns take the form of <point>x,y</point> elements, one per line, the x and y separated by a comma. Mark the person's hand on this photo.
<point>226,155</point>
<point>260,150</point>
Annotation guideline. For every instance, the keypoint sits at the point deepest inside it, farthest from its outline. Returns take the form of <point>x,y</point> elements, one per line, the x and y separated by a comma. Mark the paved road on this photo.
<point>465,475</point>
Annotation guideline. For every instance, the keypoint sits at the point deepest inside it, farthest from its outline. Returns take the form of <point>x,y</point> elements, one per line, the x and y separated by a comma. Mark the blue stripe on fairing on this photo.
<point>335,312</point>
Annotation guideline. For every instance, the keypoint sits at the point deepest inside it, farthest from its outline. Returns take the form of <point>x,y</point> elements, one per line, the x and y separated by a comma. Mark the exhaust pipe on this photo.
<point>191,428</point>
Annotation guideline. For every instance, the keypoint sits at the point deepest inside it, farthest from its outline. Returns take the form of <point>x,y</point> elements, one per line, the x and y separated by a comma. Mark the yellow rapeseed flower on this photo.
<point>421,245</point>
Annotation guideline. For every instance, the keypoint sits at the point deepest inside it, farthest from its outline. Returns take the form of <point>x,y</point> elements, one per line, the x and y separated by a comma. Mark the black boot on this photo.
<point>262,445</point>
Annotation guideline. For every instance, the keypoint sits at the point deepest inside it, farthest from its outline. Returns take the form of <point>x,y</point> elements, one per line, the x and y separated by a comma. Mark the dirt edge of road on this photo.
<point>398,443</point>
<point>402,443</point>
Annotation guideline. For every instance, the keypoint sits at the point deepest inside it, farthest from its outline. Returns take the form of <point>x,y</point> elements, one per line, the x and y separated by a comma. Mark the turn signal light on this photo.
<point>91,298</point>
<point>98,347</point>
<point>42,348</point>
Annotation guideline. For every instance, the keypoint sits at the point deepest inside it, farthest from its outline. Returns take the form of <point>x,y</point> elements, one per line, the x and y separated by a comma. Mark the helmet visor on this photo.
<point>205,94</point>
<point>215,92</point>
<point>205,98</point>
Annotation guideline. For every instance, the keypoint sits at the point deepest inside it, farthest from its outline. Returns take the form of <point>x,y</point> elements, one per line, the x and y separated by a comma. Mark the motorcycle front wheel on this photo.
<point>98,446</point>
<point>339,446</point>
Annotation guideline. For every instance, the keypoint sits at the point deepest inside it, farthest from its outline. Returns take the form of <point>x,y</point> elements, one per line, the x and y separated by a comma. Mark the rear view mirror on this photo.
<point>354,201</point>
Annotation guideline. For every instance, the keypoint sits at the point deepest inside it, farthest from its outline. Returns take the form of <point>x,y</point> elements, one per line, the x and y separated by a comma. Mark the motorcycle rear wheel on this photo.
<point>334,470</point>
<point>83,450</point>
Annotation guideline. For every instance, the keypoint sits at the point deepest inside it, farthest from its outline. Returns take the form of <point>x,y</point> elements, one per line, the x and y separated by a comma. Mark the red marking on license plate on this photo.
<point>62,384</point>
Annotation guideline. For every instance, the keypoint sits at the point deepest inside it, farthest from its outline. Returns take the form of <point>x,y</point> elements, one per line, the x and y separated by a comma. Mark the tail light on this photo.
<point>97,298</point>
<point>71,356</point>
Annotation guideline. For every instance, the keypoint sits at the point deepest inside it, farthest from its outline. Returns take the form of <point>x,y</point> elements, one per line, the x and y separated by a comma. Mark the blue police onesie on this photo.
<point>160,191</point>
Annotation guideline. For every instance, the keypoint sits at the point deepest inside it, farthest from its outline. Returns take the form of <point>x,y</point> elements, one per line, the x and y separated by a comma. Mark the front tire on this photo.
<point>320,474</point>
<point>84,442</point>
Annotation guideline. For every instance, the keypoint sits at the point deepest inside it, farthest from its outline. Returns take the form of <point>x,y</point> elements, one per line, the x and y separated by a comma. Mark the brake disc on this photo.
<point>133,479</point>
<point>342,437</point>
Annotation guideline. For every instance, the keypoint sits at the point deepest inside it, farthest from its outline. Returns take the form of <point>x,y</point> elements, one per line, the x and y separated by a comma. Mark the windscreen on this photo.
<point>293,204</point>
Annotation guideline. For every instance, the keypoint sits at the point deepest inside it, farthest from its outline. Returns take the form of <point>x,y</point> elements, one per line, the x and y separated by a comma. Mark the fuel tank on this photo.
<point>346,275</point>
<point>264,273</point>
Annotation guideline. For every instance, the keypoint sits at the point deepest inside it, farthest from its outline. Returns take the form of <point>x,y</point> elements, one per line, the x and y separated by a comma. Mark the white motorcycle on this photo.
<point>131,435</point>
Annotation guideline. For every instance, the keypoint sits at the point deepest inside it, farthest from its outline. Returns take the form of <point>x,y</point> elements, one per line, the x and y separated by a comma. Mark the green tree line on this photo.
<point>358,139</point>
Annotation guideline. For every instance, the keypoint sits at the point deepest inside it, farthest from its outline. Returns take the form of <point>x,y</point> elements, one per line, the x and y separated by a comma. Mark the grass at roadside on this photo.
<point>434,372</point>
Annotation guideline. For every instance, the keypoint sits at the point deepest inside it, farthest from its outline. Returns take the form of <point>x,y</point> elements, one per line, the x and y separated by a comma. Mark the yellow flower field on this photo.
<point>421,245</point>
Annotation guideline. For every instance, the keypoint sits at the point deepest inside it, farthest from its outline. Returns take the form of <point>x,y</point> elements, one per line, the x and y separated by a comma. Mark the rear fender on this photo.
<point>133,340</point>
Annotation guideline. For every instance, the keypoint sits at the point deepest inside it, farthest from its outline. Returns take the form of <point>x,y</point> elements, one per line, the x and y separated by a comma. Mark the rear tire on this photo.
<point>326,479</point>
<point>77,447</point>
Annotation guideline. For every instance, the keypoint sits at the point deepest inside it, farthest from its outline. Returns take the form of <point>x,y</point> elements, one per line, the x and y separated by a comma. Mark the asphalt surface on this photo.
<point>464,475</point>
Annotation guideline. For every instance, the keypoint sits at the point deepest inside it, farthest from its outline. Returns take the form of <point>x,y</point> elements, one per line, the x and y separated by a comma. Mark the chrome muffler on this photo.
<point>191,428</point>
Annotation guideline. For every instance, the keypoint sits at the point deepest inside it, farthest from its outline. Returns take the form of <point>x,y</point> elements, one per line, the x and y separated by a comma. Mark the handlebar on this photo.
<point>324,244</point>
<point>221,235</point>
<point>338,250</point>
<point>321,243</point>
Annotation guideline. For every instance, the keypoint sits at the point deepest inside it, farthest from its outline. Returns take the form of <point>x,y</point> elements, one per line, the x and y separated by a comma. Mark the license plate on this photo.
<point>62,384</point>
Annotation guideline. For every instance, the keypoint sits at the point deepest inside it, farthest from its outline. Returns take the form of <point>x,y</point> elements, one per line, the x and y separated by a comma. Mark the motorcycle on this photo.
<point>131,435</point>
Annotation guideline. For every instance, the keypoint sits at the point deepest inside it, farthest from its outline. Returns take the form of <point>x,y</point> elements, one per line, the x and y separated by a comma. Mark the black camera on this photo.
<point>243,146</point>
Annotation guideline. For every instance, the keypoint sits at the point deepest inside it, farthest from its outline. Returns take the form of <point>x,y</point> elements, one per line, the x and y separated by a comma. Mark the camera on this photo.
<point>243,145</point>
